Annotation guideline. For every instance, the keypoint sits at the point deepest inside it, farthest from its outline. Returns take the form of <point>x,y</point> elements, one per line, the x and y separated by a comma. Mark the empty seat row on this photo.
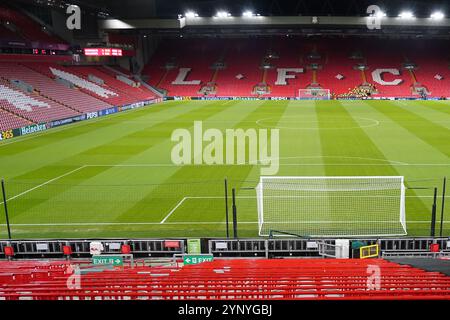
<point>224,279</point>
<point>32,106</point>
<point>39,76</point>
<point>329,63</point>
<point>9,120</point>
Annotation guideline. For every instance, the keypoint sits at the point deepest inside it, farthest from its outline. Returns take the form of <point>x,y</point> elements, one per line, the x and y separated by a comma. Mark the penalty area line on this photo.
<point>43,184</point>
<point>173,210</point>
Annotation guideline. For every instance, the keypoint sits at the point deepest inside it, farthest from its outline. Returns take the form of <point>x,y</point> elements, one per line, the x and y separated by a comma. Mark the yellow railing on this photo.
<point>371,251</point>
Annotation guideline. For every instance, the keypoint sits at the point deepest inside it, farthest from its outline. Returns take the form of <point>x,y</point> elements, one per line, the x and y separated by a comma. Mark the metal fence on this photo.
<point>220,248</point>
<point>145,248</point>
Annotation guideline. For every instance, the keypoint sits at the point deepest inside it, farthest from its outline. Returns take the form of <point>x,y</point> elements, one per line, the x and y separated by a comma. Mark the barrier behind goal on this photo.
<point>331,206</point>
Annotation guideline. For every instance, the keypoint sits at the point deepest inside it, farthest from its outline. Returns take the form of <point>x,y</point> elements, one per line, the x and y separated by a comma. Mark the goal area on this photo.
<point>331,206</point>
<point>314,94</point>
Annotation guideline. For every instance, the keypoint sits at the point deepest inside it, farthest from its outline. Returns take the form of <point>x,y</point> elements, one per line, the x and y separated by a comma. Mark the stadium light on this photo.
<point>223,14</point>
<point>248,14</point>
<point>406,15</point>
<point>191,14</point>
<point>438,15</point>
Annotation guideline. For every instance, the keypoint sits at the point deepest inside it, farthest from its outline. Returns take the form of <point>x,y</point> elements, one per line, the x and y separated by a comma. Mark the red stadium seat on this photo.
<point>241,279</point>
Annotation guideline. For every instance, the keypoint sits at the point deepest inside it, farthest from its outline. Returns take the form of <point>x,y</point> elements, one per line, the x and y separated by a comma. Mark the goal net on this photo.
<point>314,94</point>
<point>331,206</point>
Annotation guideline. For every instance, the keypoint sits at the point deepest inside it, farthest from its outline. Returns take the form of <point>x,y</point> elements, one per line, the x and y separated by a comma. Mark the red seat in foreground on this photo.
<point>225,279</point>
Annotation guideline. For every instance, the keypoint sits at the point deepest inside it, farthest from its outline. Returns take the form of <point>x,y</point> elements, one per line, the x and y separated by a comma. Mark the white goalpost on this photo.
<point>314,94</point>
<point>331,206</point>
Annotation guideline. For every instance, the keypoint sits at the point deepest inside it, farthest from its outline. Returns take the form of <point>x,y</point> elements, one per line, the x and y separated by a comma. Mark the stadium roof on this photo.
<point>134,9</point>
<point>274,17</point>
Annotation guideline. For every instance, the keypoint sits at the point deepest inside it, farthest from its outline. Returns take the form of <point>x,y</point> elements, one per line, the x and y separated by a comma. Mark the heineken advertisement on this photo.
<point>32,129</point>
<point>8,134</point>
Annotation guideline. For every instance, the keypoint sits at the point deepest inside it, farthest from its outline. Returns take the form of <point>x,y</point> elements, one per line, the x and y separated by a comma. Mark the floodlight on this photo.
<point>191,14</point>
<point>406,15</point>
<point>438,15</point>
<point>223,14</point>
<point>248,14</point>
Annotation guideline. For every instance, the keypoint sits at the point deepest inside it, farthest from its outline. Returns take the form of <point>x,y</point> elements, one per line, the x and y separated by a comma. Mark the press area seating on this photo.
<point>223,279</point>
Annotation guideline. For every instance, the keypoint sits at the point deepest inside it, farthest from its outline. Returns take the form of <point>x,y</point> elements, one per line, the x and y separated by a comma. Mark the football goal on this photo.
<point>314,94</point>
<point>331,206</point>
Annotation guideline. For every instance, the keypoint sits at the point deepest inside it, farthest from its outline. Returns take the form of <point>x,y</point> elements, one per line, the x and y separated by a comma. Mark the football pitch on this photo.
<point>114,176</point>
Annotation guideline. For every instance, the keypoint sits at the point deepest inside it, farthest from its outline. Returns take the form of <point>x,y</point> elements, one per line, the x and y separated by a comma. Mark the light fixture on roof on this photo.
<point>223,14</point>
<point>406,15</point>
<point>437,15</point>
<point>191,14</point>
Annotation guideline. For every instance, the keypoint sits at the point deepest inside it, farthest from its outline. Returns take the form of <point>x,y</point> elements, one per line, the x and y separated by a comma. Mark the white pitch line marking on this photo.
<point>178,223</point>
<point>250,197</point>
<point>43,184</point>
<point>281,164</point>
<point>173,210</point>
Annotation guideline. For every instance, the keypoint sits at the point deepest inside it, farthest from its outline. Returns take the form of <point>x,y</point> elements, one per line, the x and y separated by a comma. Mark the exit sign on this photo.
<point>198,258</point>
<point>109,260</point>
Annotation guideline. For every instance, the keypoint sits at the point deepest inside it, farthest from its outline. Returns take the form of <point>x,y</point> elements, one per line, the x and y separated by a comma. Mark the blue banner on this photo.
<point>58,123</point>
<point>108,111</point>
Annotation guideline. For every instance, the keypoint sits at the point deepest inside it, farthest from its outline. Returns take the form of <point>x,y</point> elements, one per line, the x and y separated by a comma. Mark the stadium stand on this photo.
<point>9,120</point>
<point>25,27</point>
<point>253,63</point>
<point>49,88</point>
<point>223,279</point>
<point>6,33</point>
<point>75,94</point>
<point>102,93</point>
<point>33,107</point>
<point>127,93</point>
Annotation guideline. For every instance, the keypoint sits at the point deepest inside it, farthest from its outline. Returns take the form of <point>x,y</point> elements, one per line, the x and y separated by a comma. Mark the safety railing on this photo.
<point>256,248</point>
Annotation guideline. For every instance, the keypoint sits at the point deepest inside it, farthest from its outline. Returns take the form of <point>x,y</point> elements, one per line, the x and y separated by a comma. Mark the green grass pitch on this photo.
<point>113,176</point>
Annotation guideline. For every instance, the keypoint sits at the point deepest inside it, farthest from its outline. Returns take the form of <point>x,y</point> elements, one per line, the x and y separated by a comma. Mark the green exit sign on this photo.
<point>107,260</point>
<point>195,259</point>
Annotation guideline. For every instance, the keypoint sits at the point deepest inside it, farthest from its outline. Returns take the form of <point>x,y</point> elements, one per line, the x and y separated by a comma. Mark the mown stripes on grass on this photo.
<point>331,135</point>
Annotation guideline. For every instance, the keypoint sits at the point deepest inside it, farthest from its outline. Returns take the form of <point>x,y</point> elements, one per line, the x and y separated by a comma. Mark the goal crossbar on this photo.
<point>331,206</point>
